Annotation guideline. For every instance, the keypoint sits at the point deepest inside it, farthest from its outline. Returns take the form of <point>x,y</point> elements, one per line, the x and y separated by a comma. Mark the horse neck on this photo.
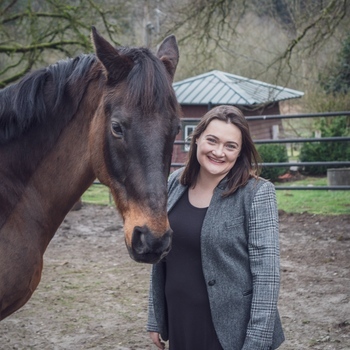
<point>59,179</point>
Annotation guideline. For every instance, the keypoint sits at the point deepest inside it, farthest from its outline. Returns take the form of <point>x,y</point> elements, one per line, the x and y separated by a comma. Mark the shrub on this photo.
<point>326,151</point>
<point>273,153</point>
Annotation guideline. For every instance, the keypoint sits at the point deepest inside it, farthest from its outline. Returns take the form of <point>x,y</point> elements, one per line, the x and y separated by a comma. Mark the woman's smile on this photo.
<point>216,161</point>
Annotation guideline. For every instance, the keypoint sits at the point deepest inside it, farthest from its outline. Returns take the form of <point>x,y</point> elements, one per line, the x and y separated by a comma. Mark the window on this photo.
<point>187,131</point>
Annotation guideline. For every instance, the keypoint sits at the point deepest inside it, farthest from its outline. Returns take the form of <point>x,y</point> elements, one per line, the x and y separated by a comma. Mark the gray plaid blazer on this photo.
<point>240,255</point>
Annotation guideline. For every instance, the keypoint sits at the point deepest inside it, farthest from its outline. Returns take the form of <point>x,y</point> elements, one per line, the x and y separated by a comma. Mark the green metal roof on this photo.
<point>218,87</point>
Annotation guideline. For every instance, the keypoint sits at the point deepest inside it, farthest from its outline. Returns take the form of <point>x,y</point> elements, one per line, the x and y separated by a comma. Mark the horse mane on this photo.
<point>39,93</point>
<point>49,91</point>
<point>147,88</point>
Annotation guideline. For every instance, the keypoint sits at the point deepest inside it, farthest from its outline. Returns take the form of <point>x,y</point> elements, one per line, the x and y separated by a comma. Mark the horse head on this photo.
<point>132,137</point>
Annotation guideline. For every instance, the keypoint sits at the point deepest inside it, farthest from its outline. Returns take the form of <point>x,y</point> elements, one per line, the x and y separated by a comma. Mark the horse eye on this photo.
<point>117,130</point>
<point>177,130</point>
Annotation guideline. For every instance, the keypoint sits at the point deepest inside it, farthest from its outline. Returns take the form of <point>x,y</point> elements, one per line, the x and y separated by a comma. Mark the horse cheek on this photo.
<point>96,146</point>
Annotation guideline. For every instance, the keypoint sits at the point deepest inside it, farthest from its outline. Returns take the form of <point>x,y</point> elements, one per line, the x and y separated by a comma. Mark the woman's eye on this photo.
<point>210,140</point>
<point>117,129</point>
<point>231,147</point>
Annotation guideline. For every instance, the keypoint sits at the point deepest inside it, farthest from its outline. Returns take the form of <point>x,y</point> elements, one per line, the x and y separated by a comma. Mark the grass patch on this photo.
<point>98,194</point>
<point>313,201</point>
<point>291,201</point>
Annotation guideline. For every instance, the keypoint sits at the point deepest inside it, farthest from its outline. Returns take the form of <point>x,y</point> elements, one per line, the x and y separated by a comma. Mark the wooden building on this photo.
<point>199,94</point>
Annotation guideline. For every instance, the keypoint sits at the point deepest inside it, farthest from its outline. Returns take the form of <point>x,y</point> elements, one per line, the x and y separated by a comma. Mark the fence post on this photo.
<point>338,177</point>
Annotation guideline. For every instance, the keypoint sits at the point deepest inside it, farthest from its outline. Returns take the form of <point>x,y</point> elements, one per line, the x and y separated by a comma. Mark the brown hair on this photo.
<point>247,164</point>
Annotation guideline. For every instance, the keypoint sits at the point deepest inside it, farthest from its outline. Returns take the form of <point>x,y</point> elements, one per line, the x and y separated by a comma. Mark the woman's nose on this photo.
<point>218,150</point>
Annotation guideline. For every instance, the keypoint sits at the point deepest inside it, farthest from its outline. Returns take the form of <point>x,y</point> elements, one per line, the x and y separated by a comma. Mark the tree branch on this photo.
<point>20,49</point>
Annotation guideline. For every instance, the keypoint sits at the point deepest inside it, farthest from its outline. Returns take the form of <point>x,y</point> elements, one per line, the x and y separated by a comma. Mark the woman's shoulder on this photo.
<point>257,185</point>
<point>259,181</point>
<point>174,177</point>
<point>261,189</point>
<point>176,174</point>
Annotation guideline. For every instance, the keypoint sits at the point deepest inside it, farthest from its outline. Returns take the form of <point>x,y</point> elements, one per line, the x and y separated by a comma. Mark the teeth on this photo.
<point>216,160</point>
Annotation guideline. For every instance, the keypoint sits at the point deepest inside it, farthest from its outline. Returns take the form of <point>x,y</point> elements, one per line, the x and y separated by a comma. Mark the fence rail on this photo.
<point>298,140</point>
<point>291,141</point>
<point>298,164</point>
<point>328,188</point>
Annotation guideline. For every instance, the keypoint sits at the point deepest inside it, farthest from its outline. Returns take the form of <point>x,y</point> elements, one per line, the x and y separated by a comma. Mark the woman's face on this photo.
<point>218,148</point>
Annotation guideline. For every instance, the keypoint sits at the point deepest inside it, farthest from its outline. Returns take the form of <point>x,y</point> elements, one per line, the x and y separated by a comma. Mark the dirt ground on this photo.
<point>93,296</point>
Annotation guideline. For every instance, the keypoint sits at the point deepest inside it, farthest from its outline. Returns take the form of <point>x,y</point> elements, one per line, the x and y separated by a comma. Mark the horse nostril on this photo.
<point>149,248</point>
<point>139,244</point>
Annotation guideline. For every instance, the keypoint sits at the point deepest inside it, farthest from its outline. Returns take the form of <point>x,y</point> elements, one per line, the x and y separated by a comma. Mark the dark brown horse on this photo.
<point>114,116</point>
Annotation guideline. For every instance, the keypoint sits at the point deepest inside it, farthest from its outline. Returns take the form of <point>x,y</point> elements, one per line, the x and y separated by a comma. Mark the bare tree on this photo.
<point>286,42</point>
<point>38,32</point>
<point>278,40</point>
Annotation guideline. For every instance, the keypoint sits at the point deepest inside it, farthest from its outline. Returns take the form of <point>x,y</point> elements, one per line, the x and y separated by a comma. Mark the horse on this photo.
<point>111,115</point>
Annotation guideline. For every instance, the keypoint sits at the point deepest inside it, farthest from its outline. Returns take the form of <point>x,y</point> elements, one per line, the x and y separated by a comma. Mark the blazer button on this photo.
<point>211,283</point>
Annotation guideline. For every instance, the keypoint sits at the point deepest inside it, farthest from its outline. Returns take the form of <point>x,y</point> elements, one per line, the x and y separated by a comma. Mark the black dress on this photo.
<point>189,318</point>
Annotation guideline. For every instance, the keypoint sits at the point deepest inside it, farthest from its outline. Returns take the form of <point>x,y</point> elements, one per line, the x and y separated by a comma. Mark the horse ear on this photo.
<point>168,53</point>
<point>116,65</point>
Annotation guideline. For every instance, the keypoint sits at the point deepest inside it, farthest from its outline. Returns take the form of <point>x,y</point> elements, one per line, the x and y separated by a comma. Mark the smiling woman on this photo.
<point>218,287</point>
<point>218,149</point>
<point>229,122</point>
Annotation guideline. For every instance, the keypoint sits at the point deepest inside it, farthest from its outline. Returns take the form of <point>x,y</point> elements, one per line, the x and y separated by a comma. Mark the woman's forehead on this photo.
<point>224,129</point>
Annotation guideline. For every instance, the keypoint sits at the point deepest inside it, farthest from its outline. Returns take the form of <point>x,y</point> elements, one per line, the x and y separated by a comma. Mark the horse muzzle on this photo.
<point>148,248</point>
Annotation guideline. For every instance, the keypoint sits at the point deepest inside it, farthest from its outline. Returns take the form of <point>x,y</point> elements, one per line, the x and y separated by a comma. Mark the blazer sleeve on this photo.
<point>264,257</point>
<point>151,322</point>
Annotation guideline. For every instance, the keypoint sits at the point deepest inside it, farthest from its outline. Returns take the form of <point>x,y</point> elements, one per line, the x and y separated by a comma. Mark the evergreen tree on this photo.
<point>338,80</point>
